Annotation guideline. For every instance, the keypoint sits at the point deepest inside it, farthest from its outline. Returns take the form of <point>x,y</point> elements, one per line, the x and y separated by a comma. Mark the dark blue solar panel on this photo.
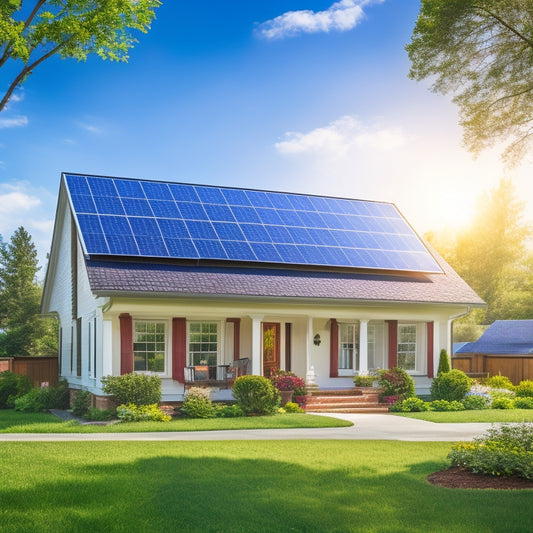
<point>83,204</point>
<point>183,248</point>
<point>102,187</point>
<point>192,211</point>
<point>256,233</point>
<point>236,197</point>
<point>210,195</point>
<point>219,212</point>
<point>245,214</point>
<point>201,230</point>
<point>157,219</point>
<point>137,207</point>
<point>156,191</point>
<point>152,246</point>
<point>107,205</point>
<point>227,231</point>
<point>129,189</point>
<point>165,209</point>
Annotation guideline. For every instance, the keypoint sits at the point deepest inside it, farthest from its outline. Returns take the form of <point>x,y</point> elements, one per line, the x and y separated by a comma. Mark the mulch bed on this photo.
<point>459,478</point>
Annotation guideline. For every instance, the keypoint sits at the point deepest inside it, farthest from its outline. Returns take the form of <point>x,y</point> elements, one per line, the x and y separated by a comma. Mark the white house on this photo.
<point>155,277</point>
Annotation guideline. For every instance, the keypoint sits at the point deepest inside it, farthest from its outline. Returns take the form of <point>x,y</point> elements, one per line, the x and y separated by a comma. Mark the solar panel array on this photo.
<point>136,218</point>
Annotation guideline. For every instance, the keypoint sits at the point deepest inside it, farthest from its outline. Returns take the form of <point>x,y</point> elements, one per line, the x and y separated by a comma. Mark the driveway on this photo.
<point>366,427</point>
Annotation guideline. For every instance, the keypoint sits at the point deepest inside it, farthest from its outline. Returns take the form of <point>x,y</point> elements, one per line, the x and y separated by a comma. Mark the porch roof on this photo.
<point>111,278</point>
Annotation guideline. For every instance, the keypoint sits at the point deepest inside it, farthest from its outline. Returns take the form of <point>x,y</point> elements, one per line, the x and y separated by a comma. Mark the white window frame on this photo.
<point>356,329</point>
<point>220,341</point>
<point>420,349</point>
<point>166,356</point>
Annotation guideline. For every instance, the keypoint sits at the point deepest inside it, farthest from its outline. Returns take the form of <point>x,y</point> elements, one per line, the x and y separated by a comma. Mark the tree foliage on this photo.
<point>482,52</point>
<point>23,331</point>
<point>492,256</point>
<point>30,34</point>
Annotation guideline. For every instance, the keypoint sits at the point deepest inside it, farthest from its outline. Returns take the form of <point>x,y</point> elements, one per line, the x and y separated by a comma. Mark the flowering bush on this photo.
<point>284,380</point>
<point>291,407</point>
<point>506,450</point>
<point>364,380</point>
<point>396,382</point>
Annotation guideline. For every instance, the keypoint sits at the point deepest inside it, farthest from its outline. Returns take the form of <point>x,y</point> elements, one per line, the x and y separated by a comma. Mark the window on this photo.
<point>348,348</point>
<point>407,346</point>
<point>149,346</point>
<point>203,343</point>
<point>376,346</point>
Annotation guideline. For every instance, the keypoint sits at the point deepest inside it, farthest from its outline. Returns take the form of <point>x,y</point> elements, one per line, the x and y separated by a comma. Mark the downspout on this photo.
<point>450,329</point>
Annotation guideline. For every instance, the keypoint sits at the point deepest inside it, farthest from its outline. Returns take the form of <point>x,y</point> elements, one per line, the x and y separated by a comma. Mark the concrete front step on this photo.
<point>355,400</point>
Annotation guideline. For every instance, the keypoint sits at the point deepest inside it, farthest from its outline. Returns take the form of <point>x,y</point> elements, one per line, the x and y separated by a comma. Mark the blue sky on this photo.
<point>297,95</point>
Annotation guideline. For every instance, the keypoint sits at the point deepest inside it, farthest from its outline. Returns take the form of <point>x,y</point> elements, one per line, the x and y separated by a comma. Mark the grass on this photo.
<point>485,415</point>
<point>252,486</point>
<point>15,422</point>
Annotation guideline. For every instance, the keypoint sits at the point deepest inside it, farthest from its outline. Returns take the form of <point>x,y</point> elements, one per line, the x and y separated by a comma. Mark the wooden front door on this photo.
<point>271,355</point>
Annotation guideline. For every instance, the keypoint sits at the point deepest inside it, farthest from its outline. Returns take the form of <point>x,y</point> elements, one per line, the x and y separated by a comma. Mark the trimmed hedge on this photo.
<point>450,386</point>
<point>256,395</point>
<point>138,389</point>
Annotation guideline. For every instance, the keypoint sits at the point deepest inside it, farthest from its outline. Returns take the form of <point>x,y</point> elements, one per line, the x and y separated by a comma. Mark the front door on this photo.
<point>271,356</point>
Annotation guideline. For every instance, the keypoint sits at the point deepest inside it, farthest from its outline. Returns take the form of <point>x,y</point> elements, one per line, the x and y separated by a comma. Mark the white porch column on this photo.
<point>107,348</point>
<point>257,339</point>
<point>308,343</point>
<point>363,346</point>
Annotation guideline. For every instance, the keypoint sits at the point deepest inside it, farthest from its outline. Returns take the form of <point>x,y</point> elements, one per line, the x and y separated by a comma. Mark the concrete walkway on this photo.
<point>366,427</point>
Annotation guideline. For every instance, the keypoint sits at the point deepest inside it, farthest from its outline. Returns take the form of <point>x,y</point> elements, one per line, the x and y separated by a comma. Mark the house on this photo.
<point>165,278</point>
<point>505,348</point>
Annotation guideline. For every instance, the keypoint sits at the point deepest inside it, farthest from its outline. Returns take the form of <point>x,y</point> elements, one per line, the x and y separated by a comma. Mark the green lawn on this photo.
<point>252,486</point>
<point>15,422</point>
<point>485,415</point>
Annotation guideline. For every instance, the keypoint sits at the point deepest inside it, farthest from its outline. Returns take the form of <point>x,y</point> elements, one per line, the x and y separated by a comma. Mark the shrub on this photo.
<point>501,393</point>
<point>138,389</point>
<point>284,380</point>
<point>59,396</point>
<point>40,399</point>
<point>256,394</point>
<point>411,405</point>
<point>524,389</point>
<point>499,382</point>
<point>445,405</point>
<point>81,403</point>
<point>362,380</point>
<point>12,386</point>
<point>94,414</point>
<point>444,363</point>
<point>505,450</point>
<point>229,411</point>
<point>141,413</point>
<point>476,401</point>
<point>198,404</point>
<point>502,403</point>
<point>292,407</point>
<point>523,403</point>
<point>396,382</point>
<point>450,386</point>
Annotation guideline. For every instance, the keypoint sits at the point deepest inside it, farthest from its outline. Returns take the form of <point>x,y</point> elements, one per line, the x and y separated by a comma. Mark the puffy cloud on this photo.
<point>340,16</point>
<point>342,136</point>
<point>14,122</point>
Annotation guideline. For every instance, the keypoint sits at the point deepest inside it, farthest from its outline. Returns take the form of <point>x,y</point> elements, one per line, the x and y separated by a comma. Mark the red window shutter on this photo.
<point>236,337</point>
<point>126,343</point>
<point>179,349</point>
<point>430,336</point>
<point>334,349</point>
<point>393,343</point>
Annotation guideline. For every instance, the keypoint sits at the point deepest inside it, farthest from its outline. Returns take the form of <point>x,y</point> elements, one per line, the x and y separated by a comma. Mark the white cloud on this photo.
<point>340,16</point>
<point>342,136</point>
<point>90,128</point>
<point>17,201</point>
<point>14,122</point>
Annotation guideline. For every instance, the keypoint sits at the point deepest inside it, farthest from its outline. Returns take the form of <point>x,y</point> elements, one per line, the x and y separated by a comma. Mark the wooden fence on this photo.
<point>516,367</point>
<point>43,371</point>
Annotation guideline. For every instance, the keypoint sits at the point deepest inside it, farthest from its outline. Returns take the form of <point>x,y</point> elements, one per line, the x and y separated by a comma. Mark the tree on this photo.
<point>74,29</point>
<point>24,332</point>
<point>492,256</point>
<point>482,52</point>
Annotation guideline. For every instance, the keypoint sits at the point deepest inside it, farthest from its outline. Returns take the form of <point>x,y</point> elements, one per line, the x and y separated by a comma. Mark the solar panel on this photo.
<point>140,218</point>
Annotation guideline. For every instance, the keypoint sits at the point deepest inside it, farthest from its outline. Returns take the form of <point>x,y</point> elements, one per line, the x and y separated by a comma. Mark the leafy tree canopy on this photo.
<point>482,52</point>
<point>30,34</point>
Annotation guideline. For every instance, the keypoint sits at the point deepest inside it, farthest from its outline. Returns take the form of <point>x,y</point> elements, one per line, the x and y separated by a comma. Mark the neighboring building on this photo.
<point>505,348</point>
<point>154,277</point>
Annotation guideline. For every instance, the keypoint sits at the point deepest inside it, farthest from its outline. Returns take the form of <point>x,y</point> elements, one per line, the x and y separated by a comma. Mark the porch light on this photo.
<point>316,339</point>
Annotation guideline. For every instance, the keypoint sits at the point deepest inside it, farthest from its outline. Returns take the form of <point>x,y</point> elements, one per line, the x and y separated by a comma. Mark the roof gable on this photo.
<point>148,219</point>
